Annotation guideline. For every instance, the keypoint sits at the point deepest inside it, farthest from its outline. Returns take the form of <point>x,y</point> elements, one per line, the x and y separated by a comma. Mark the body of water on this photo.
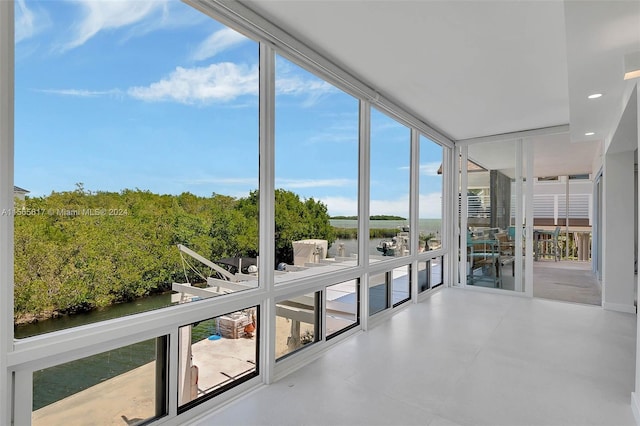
<point>425,226</point>
<point>58,382</point>
<point>102,314</point>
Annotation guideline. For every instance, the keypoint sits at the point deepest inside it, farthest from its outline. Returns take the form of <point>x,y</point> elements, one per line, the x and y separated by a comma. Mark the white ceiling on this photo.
<point>481,68</point>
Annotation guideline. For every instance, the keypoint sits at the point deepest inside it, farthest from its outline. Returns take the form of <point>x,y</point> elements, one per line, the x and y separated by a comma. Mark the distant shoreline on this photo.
<point>373,217</point>
<point>424,225</point>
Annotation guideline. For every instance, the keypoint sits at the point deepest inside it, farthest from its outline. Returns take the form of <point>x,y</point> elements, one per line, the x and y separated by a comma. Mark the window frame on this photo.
<point>18,359</point>
<point>224,388</point>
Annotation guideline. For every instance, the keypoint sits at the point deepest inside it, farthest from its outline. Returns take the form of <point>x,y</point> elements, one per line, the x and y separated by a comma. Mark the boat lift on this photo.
<point>229,282</point>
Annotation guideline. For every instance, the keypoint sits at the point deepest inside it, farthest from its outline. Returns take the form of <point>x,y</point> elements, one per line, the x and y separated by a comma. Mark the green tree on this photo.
<point>93,249</point>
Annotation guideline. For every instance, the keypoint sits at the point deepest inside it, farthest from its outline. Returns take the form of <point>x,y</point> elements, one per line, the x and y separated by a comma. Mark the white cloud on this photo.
<point>81,93</point>
<point>102,15</point>
<point>27,22</point>
<point>216,43</point>
<point>217,82</point>
<point>430,169</point>
<point>431,205</point>
<point>313,183</point>
<point>222,82</point>
<point>294,85</point>
<point>341,206</point>
<point>172,15</point>
<point>397,207</point>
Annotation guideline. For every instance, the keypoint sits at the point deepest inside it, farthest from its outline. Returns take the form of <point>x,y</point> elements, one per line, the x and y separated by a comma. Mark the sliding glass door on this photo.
<point>495,182</point>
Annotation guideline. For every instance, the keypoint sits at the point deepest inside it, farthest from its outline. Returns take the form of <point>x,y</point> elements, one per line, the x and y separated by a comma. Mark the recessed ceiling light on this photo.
<point>595,96</point>
<point>589,134</point>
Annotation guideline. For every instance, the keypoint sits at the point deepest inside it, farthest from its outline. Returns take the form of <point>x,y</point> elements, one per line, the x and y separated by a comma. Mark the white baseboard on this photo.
<point>635,407</point>
<point>619,307</point>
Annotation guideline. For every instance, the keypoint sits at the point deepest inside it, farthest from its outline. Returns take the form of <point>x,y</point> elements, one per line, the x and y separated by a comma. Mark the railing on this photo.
<point>551,207</point>
<point>479,206</point>
<point>555,206</point>
<point>545,206</point>
<point>579,246</point>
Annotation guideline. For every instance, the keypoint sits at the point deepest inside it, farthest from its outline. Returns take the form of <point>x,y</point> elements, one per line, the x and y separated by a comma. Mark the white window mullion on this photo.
<point>528,266</point>
<point>173,364</point>
<point>267,208</point>
<point>6,203</point>
<point>414,211</point>
<point>23,404</point>
<point>364,193</point>
<point>463,167</point>
<point>519,218</point>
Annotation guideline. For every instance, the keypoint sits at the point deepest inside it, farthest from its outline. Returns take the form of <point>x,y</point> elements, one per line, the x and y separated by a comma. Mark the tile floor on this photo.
<point>570,281</point>
<point>462,358</point>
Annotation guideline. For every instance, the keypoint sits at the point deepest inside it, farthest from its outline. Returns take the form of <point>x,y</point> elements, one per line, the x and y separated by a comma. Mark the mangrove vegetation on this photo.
<point>79,250</point>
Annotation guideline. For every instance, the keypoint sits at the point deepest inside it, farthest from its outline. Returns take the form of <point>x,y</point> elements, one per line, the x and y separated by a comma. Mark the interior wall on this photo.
<point>618,245</point>
<point>618,265</point>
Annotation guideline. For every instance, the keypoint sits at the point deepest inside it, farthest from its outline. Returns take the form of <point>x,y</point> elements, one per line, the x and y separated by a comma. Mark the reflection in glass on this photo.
<point>123,385</point>
<point>424,277</point>
<point>429,274</point>
<point>401,285</point>
<point>436,272</point>
<point>216,354</point>
<point>341,306</point>
<point>378,293</point>
<point>296,323</point>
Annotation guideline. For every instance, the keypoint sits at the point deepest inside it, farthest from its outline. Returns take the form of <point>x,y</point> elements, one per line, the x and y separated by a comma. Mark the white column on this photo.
<point>617,247</point>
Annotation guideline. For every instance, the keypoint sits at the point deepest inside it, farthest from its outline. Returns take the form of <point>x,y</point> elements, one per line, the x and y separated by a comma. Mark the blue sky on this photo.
<point>157,96</point>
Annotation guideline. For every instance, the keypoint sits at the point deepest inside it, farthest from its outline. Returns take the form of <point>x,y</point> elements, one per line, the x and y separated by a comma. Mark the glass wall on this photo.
<point>216,354</point>
<point>437,272</point>
<point>342,305</point>
<point>316,173</point>
<point>430,205</point>
<point>401,285</point>
<point>389,289</point>
<point>491,198</point>
<point>430,274</point>
<point>136,145</point>
<point>389,188</point>
<point>137,164</point>
<point>124,385</point>
<point>297,323</point>
<point>378,293</point>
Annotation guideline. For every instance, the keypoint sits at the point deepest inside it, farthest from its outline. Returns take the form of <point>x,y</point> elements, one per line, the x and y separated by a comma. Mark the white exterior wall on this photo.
<point>576,186</point>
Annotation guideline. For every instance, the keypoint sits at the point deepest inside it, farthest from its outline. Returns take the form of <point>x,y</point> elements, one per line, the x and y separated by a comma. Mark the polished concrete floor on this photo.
<point>462,358</point>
